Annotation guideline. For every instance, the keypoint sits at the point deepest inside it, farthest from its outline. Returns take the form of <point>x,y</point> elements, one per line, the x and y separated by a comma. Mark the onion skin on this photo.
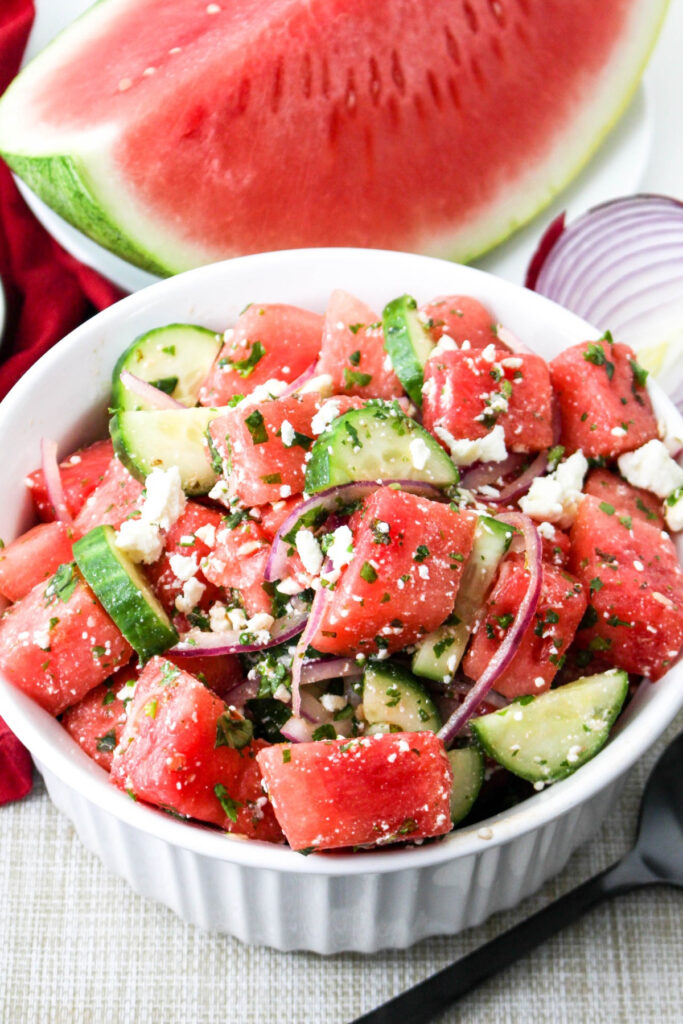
<point>154,396</point>
<point>53,480</point>
<point>508,648</point>
<point>548,239</point>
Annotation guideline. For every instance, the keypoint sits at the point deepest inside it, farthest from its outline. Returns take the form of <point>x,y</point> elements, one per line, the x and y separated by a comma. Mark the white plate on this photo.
<point>618,169</point>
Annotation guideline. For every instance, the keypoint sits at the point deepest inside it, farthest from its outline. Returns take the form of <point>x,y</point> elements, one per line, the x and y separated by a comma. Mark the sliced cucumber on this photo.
<point>374,443</point>
<point>165,438</point>
<point>439,653</point>
<point>124,593</point>
<point>176,358</point>
<point>394,697</point>
<point>548,737</point>
<point>468,774</point>
<point>408,343</point>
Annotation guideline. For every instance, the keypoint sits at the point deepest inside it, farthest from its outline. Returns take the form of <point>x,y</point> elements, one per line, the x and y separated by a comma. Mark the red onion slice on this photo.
<point>331,500</point>
<point>299,381</point>
<point>228,642</point>
<point>297,730</point>
<point>332,668</point>
<point>512,342</point>
<point>516,488</point>
<point>53,480</point>
<point>508,648</point>
<point>310,629</point>
<point>238,696</point>
<point>155,397</point>
<point>486,473</point>
<point>620,266</point>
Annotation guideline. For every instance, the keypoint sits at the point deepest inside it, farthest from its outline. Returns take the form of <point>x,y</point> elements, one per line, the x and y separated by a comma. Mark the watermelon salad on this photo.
<point>349,579</point>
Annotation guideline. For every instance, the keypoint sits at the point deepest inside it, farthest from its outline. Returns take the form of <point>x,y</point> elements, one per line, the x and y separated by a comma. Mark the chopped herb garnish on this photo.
<point>165,384</point>
<point>62,584</point>
<point>324,732</point>
<point>595,354</point>
<point>233,732</point>
<point>272,478</point>
<point>257,429</point>
<point>368,573</point>
<point>595,585</point>
<point>107,742</point>
<point>230,806</point>
<point>607,508</point>
<point>421,552</point>
<point>354,358</point>
<point>355,377</point>
<point>245,367</point>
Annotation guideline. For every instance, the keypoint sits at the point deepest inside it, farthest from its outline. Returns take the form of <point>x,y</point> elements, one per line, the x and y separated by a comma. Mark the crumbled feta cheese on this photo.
<point>218,618</point>
<point>309,551</point>
<point>264,392</point>
<point>287,433</point>
<point>141,541</point>
<point>651,467</point>
<point>206,534</point>
<point>219,492</point>
<point>285,491</point>
<point>444,344</point>
<point>546,530</point>
<point>183,567</point>
<point>327,412</point>
<point>331,702</point>
<point>260,622</point>
<point>674,514</point>
<point>340,551</point>
<point>489,353</point>
<point>419,452</point>
<point>282,694</point>
<point>556,497</point>
<point>236,618</point>
<point>464,452</point>
<point>165,499</point>
<point>193,591</point>
<point>289,586</point>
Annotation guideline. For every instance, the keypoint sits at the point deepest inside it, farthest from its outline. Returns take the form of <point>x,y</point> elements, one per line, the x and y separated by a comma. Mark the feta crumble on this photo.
<point>419,452</point>
<point>652,468</point>
<point>309,551</point>
<point>555,498</point>
<point>464,452</point>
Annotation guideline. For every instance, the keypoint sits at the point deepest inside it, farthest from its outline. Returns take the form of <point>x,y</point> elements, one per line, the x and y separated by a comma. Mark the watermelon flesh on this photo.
<point>177,132</point>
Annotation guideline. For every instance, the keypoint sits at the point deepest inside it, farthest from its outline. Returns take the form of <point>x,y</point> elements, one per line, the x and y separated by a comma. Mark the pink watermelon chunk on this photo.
<point>33,557</point>
<point>177,132</point>
<point>373,790</point>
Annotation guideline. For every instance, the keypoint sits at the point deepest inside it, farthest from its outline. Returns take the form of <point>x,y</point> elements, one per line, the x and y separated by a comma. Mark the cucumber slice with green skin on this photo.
<point>546,738</point>
<point>164,438</point>
<point>374,443</point>
<point>124,593</point>
<point>408,343</point>
<point>176,358</point>
<point>468,774</point>
<point>394,697</point>
<point>439,653</point>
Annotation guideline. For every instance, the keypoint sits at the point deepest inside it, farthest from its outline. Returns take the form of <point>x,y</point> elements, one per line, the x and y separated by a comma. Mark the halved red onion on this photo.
<point>485,475</point>
<point>620,266</point>
<point>329,501</point>
<point>53,480</point>
<point>508,648</point>
<point>155,397</point>
<point>299,381</point>
<point>329,668</point>
<point>228,641</point>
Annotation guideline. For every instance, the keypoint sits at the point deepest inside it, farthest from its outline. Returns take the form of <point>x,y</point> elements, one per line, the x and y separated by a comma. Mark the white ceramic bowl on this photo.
<point>258,892</point>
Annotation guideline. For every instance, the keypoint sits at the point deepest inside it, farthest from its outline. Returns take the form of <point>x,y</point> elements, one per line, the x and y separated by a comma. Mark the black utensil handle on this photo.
<point>422,1002</point>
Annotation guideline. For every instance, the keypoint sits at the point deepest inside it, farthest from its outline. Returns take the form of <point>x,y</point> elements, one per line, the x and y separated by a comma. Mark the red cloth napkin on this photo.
<point>48,293</point>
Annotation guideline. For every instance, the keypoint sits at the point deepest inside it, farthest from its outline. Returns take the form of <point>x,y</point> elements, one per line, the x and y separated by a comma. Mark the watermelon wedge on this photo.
<point>177,132</point>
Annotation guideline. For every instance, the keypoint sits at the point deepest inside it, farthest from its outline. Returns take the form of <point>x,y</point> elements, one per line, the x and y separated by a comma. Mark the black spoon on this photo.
<point>656,859</point>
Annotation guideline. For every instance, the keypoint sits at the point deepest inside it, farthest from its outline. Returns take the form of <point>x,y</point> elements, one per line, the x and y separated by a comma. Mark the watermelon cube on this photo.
<point>542,649</point>
<point>181,751</point>
<point>462,318</point>
<point>58,643</point>
<point>603,401</point>
<point>403,578</point>
<point>613,490</point>
<point>370,791</point>
<point>169,574</point>
<point>80,474</point>
<point>33,557</point>
<point>269,342</point>
<point>635,616</point>
<point>96,722</point>
<point>467,392</point>
<point>353,350</point>
<point>113,500</point>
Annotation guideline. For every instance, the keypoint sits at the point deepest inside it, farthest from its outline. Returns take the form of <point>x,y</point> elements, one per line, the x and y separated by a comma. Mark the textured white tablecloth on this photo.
<point>78,946</point>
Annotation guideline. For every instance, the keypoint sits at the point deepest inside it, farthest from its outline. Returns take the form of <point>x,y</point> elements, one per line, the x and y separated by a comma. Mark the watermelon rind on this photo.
<point>73,171</point>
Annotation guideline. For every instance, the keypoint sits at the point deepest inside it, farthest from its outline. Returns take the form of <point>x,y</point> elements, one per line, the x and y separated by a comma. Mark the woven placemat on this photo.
<point>78,946</point>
